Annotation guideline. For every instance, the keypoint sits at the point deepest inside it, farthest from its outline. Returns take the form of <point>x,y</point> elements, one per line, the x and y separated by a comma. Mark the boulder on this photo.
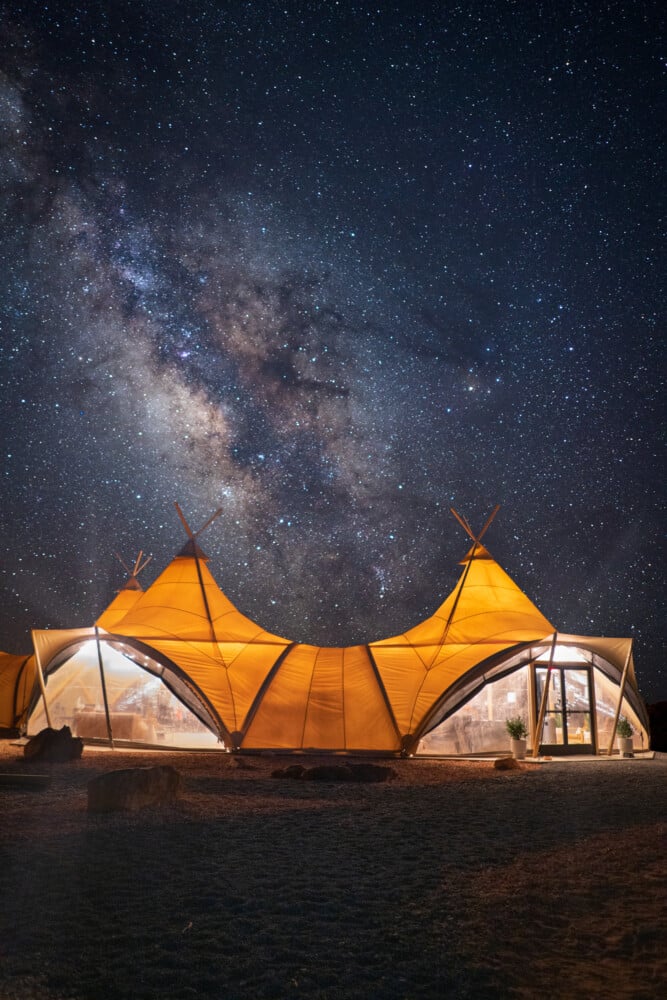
<point>371,772</point>
<point>54,746</point>
<point>293,771</point>
<point>327,772</point>
<point>133,788</point>
<point>336,772</point>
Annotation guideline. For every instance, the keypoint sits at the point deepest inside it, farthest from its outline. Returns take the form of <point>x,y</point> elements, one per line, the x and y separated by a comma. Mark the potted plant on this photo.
<point>518,734</point>
<point>624,736</point>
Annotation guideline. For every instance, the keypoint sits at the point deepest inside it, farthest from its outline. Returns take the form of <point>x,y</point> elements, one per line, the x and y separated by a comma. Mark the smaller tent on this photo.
<point>17,680</point>
<point>126,597</point>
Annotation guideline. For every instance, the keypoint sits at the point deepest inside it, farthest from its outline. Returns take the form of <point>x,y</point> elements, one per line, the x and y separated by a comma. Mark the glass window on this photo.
<point>567,718</point>
<point>552,730</point>
<point>479,725</point>
<point>606,698</point>
<point>142,709</point>
<point>562,654</point>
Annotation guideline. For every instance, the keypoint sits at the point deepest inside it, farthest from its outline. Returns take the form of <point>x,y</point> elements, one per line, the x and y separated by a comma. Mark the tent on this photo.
<point>17,680</point>
<point>184,667</point>
<point>126,596</point>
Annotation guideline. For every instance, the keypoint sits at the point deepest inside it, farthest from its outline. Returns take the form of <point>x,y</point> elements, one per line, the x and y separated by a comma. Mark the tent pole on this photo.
<point>42,685</point>
<point>462,583</point>
<point>464,577</point>
<point>543,702</point>
<point>621,692</point>
<point>104,686</point>
<point>205,599</point>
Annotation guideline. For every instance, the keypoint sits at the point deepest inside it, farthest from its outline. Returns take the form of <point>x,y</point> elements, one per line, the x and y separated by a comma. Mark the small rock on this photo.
<point>54,746</point>
<point>133,788</point>
<point>507,764</point>
<point>293,771</point>
<point>371,772</point>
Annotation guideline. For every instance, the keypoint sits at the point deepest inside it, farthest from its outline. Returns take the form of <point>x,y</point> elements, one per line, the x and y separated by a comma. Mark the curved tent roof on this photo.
<point>485,614</point>
<point>273,694</point>
<point>265,692</point>
<point>186,618</point>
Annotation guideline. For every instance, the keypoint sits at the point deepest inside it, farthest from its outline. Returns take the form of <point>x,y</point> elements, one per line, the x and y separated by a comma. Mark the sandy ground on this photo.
<point>453,880</point>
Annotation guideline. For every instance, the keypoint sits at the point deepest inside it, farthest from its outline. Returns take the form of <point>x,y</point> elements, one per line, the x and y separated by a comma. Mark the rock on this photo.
<point>372,772</point>
<point>133,788</point>
<point>507,764</point>
<point>293,771</point>
<point>337,772</point>
<point>54,746</point>
<point>327,772</point>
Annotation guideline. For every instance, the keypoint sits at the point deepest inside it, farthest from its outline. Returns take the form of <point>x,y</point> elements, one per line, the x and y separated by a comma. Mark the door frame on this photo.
<point>566,749</point>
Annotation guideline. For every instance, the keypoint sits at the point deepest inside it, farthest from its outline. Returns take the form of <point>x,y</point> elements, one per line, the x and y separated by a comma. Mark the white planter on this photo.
<point>518,748</point>
<point>624,746</point>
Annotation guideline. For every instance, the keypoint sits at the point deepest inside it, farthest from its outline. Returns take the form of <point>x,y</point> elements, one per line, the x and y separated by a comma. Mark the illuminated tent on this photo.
<point>126,596</point>
<point>17,679</point>
<point>18,674</point>
<point>445,685</point>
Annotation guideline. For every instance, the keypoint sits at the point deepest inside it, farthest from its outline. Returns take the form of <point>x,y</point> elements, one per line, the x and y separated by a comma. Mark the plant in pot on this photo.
<point>624,735</point>
<point>518,734</point>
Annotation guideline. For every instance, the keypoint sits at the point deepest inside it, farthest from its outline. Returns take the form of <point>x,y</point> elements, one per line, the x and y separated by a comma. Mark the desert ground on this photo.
<point>451,880</point>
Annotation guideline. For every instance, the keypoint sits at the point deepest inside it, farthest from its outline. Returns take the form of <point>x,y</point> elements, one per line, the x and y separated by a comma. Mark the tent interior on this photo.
<point>581,704</point>
<point>177,665</point>
<point>110,697</point>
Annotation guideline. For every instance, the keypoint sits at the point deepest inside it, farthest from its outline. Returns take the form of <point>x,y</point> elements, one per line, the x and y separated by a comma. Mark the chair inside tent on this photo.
<point>183,667</point>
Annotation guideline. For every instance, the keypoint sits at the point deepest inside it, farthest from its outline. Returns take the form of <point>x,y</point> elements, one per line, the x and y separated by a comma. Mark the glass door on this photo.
<point>567,727</point>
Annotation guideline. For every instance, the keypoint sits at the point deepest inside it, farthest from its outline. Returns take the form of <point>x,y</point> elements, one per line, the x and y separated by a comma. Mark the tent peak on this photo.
<point>140,563</point>
<point>463,521</point>
<point>191,548</point>
<point>476,552</point>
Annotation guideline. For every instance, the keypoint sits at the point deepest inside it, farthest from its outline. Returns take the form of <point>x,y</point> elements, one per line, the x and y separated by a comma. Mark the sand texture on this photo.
<point>452,880</point>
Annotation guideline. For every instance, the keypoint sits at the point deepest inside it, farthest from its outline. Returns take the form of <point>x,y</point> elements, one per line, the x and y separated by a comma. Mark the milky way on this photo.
<point>335,269</point>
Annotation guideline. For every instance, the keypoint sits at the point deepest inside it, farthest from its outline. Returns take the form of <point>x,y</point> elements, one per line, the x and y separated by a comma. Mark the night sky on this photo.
<point>335,268</point>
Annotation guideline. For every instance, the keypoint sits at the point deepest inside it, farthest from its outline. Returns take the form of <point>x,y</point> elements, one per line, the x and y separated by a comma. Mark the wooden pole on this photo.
<point>473,552</point>
<point>104,686</point>
<point>537,735</point>
<point>621,691</point>
<point>42,685</point>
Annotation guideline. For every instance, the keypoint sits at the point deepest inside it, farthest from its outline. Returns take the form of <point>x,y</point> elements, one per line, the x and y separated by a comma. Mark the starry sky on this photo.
<point>334,268</point>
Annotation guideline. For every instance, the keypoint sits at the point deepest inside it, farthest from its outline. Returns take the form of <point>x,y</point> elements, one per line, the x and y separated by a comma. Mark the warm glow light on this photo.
<point>562,654</point>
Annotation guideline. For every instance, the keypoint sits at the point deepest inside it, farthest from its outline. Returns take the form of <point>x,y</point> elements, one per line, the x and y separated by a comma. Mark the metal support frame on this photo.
<point>104,686</point>
<point>537,735</point>
<point>42,685</point>
<point>619,703</point>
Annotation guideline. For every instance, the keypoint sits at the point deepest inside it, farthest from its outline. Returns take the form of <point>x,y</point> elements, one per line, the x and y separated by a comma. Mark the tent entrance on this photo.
<point>569,726</point>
